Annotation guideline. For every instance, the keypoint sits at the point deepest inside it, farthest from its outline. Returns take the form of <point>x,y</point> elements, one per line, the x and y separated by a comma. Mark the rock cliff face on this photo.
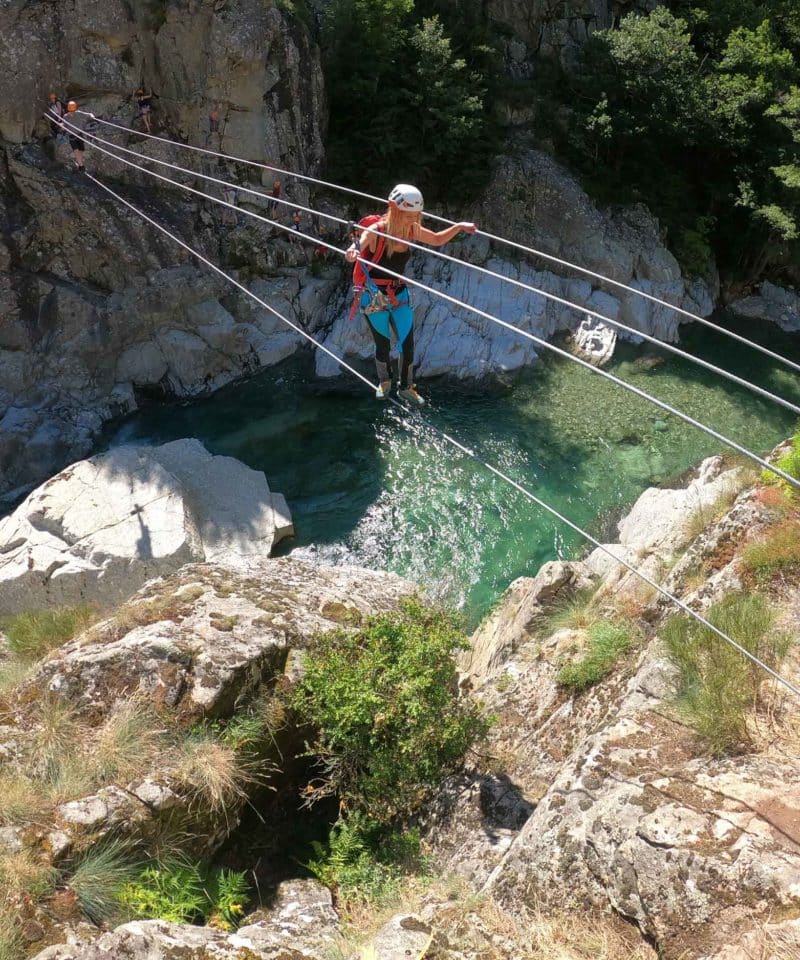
<point>557,30</point>
<point>96,305</point>
<point>537,202</point>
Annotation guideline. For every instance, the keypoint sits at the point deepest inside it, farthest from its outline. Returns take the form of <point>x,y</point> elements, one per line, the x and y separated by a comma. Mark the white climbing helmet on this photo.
<point>406,198</point>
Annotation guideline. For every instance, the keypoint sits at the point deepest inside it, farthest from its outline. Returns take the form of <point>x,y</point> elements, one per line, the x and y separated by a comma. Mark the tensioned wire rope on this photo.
<point>466,450</point>
<point>523,248</point>
<point>734,378</point>
<point>764,464</point>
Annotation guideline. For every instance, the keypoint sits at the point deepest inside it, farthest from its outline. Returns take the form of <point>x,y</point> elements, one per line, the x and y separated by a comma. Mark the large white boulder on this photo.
<point>98,530</point>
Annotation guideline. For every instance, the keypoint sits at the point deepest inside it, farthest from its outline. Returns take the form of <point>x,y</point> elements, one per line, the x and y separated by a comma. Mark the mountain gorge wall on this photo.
<point>99,310</point>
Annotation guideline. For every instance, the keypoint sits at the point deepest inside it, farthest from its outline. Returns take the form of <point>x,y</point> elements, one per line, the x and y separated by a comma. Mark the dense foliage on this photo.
<point>389,725</point>
<point>695,109</point>
<point>181,891</point>
<point>405,104</point>
<point>385,705</point>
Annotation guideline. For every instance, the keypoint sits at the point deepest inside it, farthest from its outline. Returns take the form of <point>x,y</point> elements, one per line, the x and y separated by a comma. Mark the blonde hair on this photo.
<point>400,223</point>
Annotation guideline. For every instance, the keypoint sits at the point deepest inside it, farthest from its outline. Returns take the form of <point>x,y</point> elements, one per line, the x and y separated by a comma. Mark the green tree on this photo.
<point>403,105</point>
<point>711,96</point>
<point>447,101</point>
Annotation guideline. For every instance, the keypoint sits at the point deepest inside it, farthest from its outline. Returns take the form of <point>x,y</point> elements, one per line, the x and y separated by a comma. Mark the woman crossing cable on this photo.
<point>385,300</point>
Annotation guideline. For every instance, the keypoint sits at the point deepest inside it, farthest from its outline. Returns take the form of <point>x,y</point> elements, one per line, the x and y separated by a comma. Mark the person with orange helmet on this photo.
<point>385,299</point>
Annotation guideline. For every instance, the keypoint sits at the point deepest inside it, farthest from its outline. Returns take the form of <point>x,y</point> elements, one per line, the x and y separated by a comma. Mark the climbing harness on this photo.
<point>380,300</point>
<point>467,451</point>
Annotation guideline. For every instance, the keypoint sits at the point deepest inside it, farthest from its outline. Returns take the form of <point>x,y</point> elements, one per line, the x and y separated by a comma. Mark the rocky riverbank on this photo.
<point>595,792</point>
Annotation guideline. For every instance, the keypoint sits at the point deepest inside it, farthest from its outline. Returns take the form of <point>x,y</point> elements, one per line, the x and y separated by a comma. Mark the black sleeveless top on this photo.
<point>392,261</point>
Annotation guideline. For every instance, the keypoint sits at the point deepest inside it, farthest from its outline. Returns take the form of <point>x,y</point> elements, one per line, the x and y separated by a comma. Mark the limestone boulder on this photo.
<point>102,527</point>
<point>661,525</point>
<point>190,641</point>
<point>301,924</point>
<point>779,305</point>
<point>189,648</point>
<point>515,618</point>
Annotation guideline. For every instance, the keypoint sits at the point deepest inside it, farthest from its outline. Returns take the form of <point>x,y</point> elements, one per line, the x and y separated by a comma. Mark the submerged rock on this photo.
<point>595,341</point>
<point>102,527</point>
<point>777,304</point>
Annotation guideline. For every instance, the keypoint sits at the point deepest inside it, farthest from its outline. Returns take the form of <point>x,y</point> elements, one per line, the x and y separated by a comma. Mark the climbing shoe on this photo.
<point>410,394</point>
<point>383,389</point>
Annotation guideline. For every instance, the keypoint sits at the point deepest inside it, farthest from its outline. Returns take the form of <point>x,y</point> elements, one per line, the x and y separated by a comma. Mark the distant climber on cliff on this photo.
<point>385,300</point>
<point>144,102</point>
<point>55,111</point>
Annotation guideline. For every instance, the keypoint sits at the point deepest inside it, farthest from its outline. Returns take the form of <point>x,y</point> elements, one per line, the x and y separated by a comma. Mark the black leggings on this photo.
<point>383,348</point>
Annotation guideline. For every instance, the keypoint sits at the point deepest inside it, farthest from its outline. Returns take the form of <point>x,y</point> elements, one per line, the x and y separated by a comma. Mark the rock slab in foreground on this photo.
<point>191,641</point>
<point>301,925</point>
<point>102,527</point>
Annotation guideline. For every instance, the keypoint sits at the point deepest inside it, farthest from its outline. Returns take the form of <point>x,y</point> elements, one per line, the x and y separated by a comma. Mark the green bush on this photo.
<point>364,863</point>
<point>717,685</point>
<point>171,890</point>
<point>384,702</point>
<point>32,635</point>
<point>181,891</point>
<point>607,642</point>
<point>229,893</point>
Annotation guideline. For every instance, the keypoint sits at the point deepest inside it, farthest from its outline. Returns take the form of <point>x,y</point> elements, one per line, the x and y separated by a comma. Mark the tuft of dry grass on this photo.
<point>21,799</point>
<point>21,874</point>
<point>11,945</point>
<point>126,744</point>
<point>476,925</point>
<point>579,612</point>
<point>704,515</point>
<point>776,552</point>
<point>33,635</point>
<point>212,773</point>
<point>57,735</point>
<point>479,923</point>
<point>12,674</point>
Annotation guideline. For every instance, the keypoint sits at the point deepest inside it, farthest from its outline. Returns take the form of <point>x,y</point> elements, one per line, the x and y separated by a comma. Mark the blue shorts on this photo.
<point>400,317</point>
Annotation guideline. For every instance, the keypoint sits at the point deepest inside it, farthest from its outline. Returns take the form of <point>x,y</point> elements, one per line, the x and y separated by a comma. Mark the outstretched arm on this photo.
<point>438,239</point>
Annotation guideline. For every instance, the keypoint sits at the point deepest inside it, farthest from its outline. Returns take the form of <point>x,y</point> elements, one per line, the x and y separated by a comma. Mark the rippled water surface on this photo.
<point>368,488</point>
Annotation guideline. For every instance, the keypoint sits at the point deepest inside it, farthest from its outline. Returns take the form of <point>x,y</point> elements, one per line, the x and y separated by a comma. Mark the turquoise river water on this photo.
<point>365,488</point>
